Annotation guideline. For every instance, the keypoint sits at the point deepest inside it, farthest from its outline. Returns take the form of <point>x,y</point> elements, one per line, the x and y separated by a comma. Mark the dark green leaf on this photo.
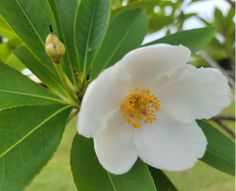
<point>65,14</point>
<point>220,152</point>
<point>161,181</point>
<point>30,20</point>
<point>29,137</point>
<point>194,39</point>
<point>90,176</point>
<point>90,29</point>
<point>16,89</point>
<point>125,33</point>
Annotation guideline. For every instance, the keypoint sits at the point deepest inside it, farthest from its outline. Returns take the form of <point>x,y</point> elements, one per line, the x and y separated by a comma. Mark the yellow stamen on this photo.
<point>140,106</point>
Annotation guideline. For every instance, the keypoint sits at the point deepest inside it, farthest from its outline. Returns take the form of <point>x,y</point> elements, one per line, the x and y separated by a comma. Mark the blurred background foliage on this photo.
<point>165,17</point>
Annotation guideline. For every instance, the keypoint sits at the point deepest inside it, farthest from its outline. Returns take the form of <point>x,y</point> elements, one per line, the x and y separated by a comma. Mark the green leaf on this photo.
<point>90,176</point>
<point>65,24</point>
<point>194,39</point>
<point>161,181</point>
<point>30,20</point>
<point>157,22</point>
<point>29,137</point>
<point>220,152</point>
<point>7,48</point>
<point>16,89</point>
<point>40,70</point>
<point>91,26</point>
<point>125,33</point>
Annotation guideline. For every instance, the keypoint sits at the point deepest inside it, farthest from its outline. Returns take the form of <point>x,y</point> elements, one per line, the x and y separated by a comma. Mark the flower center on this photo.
<point>140,106</point>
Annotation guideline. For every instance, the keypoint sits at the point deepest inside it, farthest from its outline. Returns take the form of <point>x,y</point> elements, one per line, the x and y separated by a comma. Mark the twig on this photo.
<point>232,3</point>
<point>214,64</point>
<point>224,117</point>
<point>225,128</point>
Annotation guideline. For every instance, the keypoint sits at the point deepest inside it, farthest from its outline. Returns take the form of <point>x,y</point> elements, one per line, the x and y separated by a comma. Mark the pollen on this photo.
<point>139,107</point>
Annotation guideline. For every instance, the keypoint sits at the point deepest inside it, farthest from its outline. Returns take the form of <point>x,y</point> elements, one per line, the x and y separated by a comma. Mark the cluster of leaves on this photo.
<point>33,116</point>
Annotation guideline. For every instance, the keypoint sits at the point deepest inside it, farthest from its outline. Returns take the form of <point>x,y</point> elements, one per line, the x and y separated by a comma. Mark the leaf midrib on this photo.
<point>33,130</point>
<point>31,95</point>
<point>89,35</point>
<point>118,45</point>
<point>218,156</point>
<point>31,24</point>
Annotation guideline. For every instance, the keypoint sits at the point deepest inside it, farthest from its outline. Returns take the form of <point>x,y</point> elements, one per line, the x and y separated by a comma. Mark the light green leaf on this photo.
<point>16,89</point>
<point>220,152</point>
<point>65,15</point>
<point>90,29</point>
<point>30,20</point>
<point>125,33</point>
<point>162,182</point>
<point>90,176</point>
<point>194,39</point>
<point>7,48</point>
<point>29,137</point>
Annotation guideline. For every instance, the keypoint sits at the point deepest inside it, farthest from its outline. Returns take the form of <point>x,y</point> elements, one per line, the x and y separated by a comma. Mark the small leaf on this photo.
<point>220,152</point>
<point>29,137</point>
<point>125,33</point>
<point>90,176</point>
<point>16,89</point>
<point>91,26</point>
<point>161,181</point>
<point>194,39</point>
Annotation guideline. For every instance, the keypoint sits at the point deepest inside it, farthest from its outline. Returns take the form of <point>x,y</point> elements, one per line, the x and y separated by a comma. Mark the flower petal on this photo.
<point>149,63</point>
<point>192,93</point>
<point>170,145</point>
<point>101,98</point>
<point>114,147</point>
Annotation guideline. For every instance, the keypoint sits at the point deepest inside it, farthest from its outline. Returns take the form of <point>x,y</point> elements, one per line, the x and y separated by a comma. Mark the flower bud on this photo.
<point>54,48</point>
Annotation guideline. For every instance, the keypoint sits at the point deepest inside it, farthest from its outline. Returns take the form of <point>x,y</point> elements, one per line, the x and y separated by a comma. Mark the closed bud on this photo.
<point>54,48</point>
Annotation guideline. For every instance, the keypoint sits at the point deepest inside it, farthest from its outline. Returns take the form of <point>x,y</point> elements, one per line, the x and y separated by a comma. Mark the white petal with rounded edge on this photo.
<point>114,147</point>
<point>192,93</point>
<point>169,144</point>
<point>102,97</point>
<point>149,63</point>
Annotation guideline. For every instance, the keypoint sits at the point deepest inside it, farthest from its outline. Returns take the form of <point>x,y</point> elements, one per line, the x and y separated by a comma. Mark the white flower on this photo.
<point>146,106</point>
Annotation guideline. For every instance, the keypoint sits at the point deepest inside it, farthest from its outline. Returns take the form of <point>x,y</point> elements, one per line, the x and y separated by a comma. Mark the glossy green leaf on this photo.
<point>90,29</point>
<point>125,33</point>
<point>161,181</point>
<point>65,14</point>
<point>220,152</point>
<point>5,29</point>
<point>90,176</point>
<point>16,89</point>
<point>29,137</point>
<point>30,20</point>
<point>194,39</point>
<point>40,70</point>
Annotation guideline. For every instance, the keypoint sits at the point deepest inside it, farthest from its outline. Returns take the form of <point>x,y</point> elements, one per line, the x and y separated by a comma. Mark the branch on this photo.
<point>224,117</point>
<point>225,128</point>
<point>232,3</point>
<point>214,64</point>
